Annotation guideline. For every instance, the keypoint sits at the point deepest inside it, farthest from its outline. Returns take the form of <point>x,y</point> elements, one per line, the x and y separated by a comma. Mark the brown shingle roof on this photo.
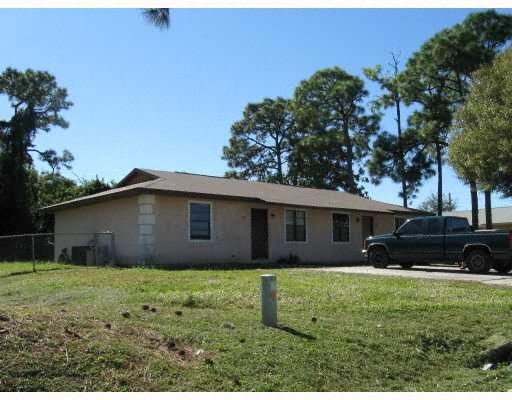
<point>181,183</point>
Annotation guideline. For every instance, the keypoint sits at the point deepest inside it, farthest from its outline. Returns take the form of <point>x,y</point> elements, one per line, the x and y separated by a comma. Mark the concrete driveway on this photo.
<point>425,272</point>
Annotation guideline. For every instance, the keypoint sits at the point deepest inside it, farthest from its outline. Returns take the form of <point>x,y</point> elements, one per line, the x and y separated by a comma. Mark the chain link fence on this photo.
<point>66,248</point>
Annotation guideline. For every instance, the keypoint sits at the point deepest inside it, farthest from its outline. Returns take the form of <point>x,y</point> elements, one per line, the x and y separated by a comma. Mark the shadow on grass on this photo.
<point>232,266</point>
<point>295,332</point>
<point>16,273</point>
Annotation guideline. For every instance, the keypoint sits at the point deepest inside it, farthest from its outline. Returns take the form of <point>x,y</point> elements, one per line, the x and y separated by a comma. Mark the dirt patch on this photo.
<point>53,332</point>
<point>170,347</point>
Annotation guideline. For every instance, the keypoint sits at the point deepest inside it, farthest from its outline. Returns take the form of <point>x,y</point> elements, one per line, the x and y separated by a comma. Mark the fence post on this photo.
<point>33,254</point>
<point>269,300</point>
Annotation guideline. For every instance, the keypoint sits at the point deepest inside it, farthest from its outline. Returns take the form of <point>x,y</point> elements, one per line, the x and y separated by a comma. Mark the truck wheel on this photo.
<point>379,257</point>
<point>478,261</point>
<point>406,265</point>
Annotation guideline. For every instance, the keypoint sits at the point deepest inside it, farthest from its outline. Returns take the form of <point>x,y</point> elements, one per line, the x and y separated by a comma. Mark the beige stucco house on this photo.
<point>501,217</point>
<point>161,217</point>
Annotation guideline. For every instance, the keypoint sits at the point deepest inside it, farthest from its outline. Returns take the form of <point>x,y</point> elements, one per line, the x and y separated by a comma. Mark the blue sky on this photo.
<point>167,99</point>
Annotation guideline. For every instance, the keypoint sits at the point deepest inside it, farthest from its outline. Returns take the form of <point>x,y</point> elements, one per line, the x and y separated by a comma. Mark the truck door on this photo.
<point>407,245</point>
<point>431,245</point>
<point>457,231</point>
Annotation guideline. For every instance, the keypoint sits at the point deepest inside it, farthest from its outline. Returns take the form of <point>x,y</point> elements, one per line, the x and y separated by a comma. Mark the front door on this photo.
<point>367,226</point>
<point>259,234</point>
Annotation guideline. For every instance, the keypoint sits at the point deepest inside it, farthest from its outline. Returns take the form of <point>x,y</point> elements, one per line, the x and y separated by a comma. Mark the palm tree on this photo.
<point>159,17</point>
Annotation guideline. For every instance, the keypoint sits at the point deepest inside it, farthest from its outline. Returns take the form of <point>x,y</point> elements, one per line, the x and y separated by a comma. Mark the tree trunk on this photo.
<point>280,177</point>
<point>474,204</point>
<point>397,98</point>
<point>400,149</point>
<point>439,159</point>
<point>488,210</point>
<point>352,185</point>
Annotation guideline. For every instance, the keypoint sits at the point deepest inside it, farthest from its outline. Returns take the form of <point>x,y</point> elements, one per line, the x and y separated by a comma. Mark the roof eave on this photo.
<point>86,201</point>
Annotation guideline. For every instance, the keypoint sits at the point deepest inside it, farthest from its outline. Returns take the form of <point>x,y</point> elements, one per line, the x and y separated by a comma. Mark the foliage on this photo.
<point>261,142</point>
<point>51,188</point>
<point>341,332</point>
<point>438,76</point>
<point>397,156</point>
<point>430,204</point>
<point>481,146</point>
<point>37,101</point>
<point>55,161</point>
<point>335,128</point>
<point>159,17</point>
<point>93,186</point>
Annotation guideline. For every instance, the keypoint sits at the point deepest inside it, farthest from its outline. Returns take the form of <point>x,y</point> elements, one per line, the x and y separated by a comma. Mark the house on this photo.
<point>158,217</point>
<point>501,217</point>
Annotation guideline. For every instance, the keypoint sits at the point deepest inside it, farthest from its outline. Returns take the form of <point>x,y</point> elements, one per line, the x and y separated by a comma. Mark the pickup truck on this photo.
<point>448,240</point>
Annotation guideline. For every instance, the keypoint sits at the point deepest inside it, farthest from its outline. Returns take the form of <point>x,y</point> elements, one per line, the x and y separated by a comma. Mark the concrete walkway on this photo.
<point>425,272</point>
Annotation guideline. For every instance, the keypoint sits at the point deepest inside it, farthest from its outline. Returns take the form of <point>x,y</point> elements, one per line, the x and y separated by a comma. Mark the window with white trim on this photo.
<point>295,226</point>
<point>340,227</point>
<point>200,224</point>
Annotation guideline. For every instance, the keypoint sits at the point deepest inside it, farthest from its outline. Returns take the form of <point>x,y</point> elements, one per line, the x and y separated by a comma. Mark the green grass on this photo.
<point>66,332</point>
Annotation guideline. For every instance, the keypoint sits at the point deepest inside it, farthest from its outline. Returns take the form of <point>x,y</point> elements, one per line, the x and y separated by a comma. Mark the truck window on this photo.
<point>457,225</point>
<point>434,226</point>
<point>412,227</point>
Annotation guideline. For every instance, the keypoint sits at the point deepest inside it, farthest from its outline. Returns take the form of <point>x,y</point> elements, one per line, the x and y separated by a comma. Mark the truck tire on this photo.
<point>379,257</point>
<point>477,261</point>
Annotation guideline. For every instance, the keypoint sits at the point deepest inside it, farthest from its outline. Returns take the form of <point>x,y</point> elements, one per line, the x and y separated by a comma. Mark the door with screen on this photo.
<point>259,234</point>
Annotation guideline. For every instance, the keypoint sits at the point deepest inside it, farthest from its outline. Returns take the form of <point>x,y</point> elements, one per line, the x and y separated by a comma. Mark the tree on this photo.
<point>335,131</point>
<point>37,101</point>
<point>159,17</point>
<point>93,186</point>
<point>50,188</point>
<point>55,161</point>
<point>397,156</point>
<point>430,204</point>
<point>481,145</point>
<point>438,76</point>
<point>261,142</point>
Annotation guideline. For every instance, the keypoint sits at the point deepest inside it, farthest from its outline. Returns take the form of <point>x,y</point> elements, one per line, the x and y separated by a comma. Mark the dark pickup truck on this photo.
<point>426,240</point>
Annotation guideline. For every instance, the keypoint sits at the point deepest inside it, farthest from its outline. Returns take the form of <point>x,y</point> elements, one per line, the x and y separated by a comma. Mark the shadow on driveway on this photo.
<point>442,272</point>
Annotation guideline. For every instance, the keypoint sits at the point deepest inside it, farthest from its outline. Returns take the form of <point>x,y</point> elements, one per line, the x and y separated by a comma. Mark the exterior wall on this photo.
<point>154,229</point>
<point>319,247</point>
<point>504,225</point>
<point>118,216</point>
<point>231,234</point>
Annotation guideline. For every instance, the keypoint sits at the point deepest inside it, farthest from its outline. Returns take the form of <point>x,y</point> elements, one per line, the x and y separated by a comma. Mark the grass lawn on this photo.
<point>65,331</point>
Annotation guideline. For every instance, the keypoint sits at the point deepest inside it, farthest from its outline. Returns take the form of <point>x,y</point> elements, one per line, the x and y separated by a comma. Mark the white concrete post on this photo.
<point>269,300</point>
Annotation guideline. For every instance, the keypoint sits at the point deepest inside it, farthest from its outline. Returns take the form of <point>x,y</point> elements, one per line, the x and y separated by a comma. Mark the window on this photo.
<point>434,226</point>
<point>340,227</point>
<point>295,226</point>
<point>412,227</point>
<point>200,227</point>
<point>454,225</point>
<point>399,221</point>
